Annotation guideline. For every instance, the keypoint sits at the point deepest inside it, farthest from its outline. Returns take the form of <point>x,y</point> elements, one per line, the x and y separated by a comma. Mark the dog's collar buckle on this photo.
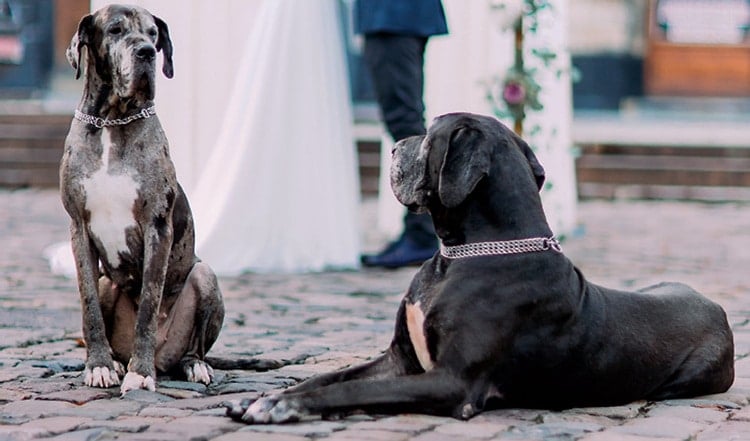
<point>501,247</point>
<point>99,122</point>
<point>552,244</point>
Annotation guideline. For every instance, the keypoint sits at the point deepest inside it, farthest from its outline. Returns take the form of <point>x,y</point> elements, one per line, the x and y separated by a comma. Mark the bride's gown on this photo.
<point>280,191</point>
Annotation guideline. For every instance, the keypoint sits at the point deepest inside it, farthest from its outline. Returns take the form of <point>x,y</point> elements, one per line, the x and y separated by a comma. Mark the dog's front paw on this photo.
<point>101,376</point>
<point>198,371</point>
<point>134,381</point>
<point>119,368</point>
<point>236,408</point>
<point>265,410</point>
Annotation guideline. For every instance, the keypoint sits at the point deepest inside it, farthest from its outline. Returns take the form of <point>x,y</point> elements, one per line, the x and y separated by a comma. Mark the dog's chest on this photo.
<point>415,325</point>
<point>109,198</point>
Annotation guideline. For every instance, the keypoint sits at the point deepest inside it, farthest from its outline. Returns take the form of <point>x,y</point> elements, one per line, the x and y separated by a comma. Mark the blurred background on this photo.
<point>659,89</point>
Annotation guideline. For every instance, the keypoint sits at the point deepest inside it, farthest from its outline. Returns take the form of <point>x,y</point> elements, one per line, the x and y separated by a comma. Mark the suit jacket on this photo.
<point>421,18</point>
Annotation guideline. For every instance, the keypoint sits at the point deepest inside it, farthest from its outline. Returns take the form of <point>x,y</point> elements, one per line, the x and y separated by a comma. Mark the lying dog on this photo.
<point>153,304</point>
<point>500,317</point>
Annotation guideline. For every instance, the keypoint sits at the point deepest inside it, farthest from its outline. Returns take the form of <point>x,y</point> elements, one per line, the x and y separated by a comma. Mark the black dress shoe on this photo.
<point>403,252</point>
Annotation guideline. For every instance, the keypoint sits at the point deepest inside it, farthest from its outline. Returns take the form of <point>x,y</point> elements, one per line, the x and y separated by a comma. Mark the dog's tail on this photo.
<point>253,364</point>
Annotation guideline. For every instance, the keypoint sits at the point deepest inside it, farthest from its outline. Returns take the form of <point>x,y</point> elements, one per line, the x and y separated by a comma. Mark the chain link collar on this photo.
<point>102,122</point>
<point>501,247</point>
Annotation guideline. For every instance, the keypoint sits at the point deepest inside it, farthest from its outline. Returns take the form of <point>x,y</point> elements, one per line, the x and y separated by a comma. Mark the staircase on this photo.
<point>656,172</point>
<point>368,133</point>
<point>664,154</point>
<point>31,146</point>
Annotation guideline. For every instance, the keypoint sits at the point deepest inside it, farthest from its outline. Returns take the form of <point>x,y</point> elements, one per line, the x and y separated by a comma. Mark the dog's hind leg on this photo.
<point>191,325</point>
<point>709,366</point>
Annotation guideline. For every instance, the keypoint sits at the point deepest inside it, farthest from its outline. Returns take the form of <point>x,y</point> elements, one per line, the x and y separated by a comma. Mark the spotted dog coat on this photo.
<point>146,299</point>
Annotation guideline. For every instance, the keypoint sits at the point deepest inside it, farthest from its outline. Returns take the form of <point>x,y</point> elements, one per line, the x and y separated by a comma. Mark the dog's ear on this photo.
<point>536,167</point>
<point>467,160</point>
<point>82,38</point>
<point>164,44</point>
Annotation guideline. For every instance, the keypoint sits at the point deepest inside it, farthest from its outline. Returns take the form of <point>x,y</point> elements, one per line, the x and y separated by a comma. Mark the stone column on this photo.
<point>548,131</point>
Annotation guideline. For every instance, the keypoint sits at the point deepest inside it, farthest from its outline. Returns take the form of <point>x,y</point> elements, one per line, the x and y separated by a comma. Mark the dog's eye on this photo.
<point>152,32</point>
<point>115,30</point>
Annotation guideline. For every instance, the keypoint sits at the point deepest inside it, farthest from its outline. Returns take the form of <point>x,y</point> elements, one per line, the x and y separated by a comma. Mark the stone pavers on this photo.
<point>325,321</point>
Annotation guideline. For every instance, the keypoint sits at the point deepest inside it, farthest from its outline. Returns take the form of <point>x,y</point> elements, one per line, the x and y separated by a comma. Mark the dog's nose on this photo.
<point>146,52</point>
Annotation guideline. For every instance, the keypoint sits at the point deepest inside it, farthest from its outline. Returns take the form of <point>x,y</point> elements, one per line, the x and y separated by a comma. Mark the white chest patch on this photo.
<point>415,325</point>
<point>109,199</point>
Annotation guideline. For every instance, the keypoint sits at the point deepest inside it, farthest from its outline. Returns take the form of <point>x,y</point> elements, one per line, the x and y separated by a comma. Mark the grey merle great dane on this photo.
<point>146,299</point>
<point>499,316</point>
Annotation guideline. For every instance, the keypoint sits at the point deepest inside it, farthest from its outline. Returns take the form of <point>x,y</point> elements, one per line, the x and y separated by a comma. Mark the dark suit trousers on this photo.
<point>396,64</point>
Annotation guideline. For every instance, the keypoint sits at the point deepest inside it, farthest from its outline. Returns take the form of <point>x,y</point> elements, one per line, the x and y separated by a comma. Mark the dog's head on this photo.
<point>120,43</point>
<point>443,167</point>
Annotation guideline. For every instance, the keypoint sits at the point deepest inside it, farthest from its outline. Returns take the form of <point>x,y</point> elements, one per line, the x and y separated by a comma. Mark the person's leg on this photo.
<point>396,64</point>
<point>419,228</point>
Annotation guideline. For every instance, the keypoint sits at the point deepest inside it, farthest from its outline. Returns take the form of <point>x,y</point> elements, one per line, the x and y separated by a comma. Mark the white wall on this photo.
<point>457,64</point>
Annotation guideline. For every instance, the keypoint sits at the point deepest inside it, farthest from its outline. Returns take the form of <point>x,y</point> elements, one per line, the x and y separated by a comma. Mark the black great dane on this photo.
<point>499,317</point>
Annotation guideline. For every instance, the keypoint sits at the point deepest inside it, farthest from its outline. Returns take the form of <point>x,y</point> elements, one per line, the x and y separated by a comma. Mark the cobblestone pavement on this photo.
<point>330,320</point>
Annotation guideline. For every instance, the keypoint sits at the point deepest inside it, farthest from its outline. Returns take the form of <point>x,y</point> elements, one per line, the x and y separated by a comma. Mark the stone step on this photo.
<point>31,145</point>
<point>369,166</point>
<point>657,172</point>
<point>37,119</point>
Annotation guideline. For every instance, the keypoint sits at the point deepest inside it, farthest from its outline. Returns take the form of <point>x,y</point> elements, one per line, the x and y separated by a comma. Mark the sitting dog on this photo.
<point>153,304</point>
<point>499,316</point>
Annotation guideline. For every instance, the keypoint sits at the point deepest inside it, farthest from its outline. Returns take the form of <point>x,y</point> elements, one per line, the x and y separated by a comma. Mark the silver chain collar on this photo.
<point>500,247</point>
<point>102,122</point>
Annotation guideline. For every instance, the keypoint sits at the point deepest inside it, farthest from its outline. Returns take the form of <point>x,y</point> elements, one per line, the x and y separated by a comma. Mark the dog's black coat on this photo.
<point>523,330</point>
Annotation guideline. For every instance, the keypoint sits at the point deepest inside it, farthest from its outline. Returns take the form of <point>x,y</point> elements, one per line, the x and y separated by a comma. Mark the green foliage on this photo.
<point>518,90</point>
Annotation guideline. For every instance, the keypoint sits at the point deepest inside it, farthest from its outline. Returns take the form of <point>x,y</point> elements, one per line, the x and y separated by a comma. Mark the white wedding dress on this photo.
<point>280,190</point>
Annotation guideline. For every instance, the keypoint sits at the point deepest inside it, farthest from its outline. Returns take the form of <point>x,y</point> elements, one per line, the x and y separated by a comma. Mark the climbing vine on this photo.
<point>517,91</point>
<point>539,73</point>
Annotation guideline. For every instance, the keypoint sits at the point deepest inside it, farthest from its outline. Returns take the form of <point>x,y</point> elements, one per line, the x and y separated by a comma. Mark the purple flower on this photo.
<point>514,93</point>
